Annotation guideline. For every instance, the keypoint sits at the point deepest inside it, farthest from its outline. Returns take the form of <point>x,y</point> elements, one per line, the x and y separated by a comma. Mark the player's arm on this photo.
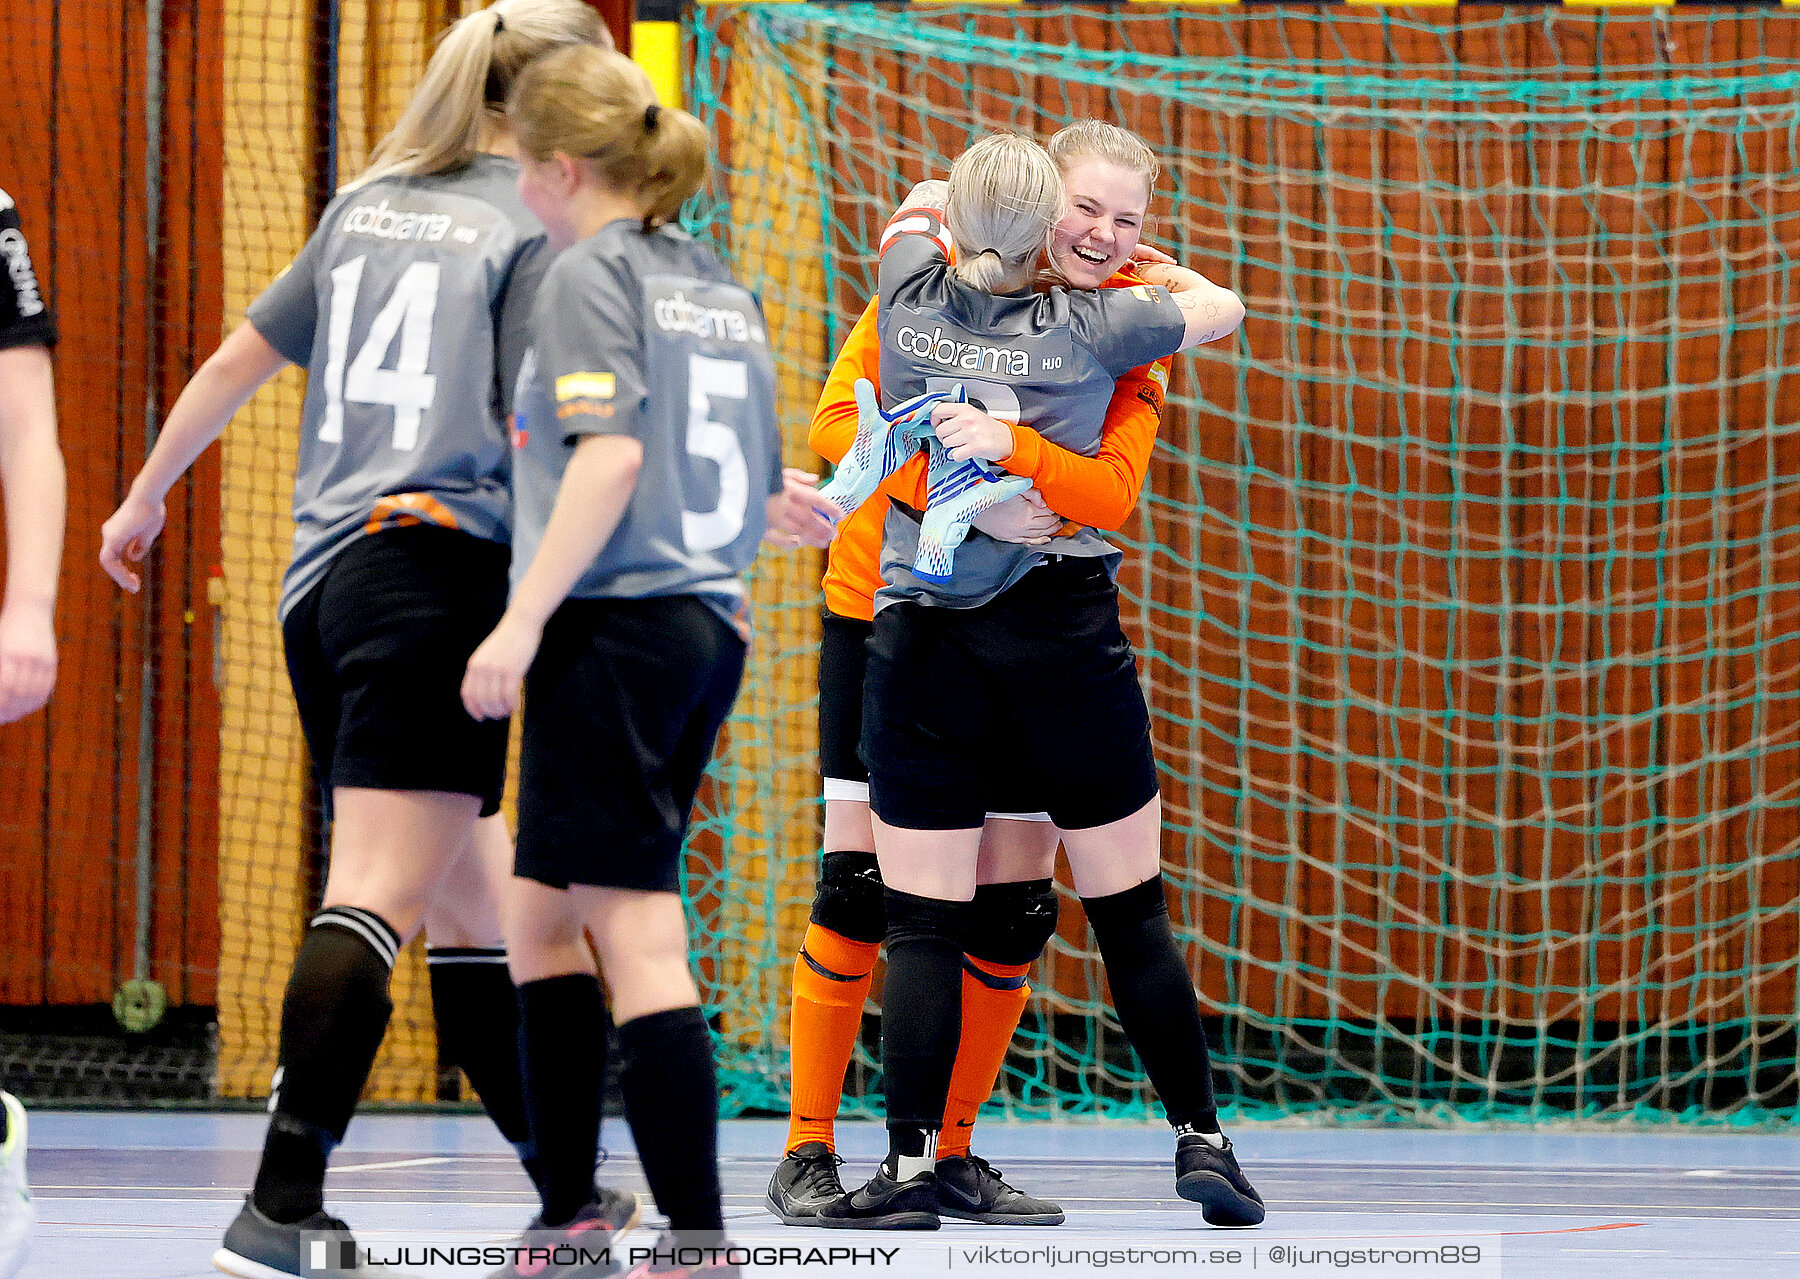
<point>915,243</point>
<point>597,487</point>
<point>596,490</point>
<point>34,489</point>
<point>590,347</point>
<point>1099,491</point>
<point>221,386</point>
<point>1210,311</point>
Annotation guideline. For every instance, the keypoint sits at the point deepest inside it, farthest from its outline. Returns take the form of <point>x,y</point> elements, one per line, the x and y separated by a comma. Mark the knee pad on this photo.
<point>928,920</point>
<point>1011,923</point>
<point>848,899</point>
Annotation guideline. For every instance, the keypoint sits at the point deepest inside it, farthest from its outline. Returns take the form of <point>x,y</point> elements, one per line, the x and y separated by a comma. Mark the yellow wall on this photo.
<point>780,241</point>
<point>384,45</point>
<point>261,882</point>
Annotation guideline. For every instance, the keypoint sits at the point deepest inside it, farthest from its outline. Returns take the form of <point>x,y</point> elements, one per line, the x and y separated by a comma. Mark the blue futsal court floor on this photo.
<point>136,1196</point>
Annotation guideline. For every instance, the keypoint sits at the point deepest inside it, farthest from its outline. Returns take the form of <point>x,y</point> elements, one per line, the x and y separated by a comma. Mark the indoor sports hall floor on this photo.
<point>145,1196</point>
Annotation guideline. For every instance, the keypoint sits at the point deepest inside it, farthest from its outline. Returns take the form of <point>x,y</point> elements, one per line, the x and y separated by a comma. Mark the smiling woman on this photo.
<point>1108,175</point>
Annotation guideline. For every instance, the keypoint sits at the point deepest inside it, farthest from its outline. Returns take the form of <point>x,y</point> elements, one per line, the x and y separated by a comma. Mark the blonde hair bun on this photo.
<point>1005,196</point>
<point>598,106</point>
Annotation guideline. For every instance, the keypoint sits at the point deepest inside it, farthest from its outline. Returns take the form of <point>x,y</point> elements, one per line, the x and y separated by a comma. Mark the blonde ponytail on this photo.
<point>1005,196</point>
<point>466,84</point>
<point>598,107</point>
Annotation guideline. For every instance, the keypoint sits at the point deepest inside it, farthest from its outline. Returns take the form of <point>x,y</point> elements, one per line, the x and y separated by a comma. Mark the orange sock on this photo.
<point>989,1017</point>
<point>827,1014</point>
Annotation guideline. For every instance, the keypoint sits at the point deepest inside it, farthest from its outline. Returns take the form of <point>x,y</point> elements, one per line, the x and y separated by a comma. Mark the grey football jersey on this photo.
<point>1047,360</point>
<point>649,336</point>
<point>397,307</point>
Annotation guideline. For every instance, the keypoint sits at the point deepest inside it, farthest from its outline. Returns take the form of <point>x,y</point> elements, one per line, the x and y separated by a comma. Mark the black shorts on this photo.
<point>1033,694</point>
<point>622,709</point>
<point>376,653</point>
<point>843,661</point>
<point>843,656</point>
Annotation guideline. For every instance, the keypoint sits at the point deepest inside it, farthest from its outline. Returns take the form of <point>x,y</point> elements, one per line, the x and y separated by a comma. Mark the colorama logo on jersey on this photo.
<point>970,356</point>
<point>386,223</point>
<point>678,315</point>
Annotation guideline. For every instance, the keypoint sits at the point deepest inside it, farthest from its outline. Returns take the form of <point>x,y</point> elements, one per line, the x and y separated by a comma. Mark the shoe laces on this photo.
<point>819,1173</point>
<point>987,1172</point>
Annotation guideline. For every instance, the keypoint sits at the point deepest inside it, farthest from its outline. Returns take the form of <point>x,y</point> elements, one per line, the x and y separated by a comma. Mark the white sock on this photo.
<point>1214,1139</point>
<point>906,1167</point>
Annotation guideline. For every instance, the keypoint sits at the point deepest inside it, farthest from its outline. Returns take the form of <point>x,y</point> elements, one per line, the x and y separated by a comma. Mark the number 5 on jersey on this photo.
<point>407,388</point>
<point>718,444</point>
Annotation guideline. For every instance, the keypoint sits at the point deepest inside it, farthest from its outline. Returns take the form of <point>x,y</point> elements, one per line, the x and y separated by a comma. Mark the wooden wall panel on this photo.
<point>76,160</point>
<point>27,141</point>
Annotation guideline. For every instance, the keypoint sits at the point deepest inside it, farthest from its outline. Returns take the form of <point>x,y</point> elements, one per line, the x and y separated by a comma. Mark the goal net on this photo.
<point>1466,580</point>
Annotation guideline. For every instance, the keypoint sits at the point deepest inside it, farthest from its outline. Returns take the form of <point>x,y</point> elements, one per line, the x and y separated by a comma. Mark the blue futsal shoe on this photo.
<point>959,492</point>
<point>884,442</point>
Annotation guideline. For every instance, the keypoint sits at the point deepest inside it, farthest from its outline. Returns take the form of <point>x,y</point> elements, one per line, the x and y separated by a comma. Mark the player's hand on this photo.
<point>128,535</point>
<point>1149,254</point>
<point>27,660</point>
<point>966,432</point>
<point>494,681</point>
<point>1025,519</point>
<point>798,515</point>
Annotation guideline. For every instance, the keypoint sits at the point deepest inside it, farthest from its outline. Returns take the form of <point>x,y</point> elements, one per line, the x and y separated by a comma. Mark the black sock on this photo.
<point>477,1014</point>
<point>921,1013</point>
<point>1153,995</point>
<point>671,1092</point>
<point>332,1019</point>
<point>562,1051</point>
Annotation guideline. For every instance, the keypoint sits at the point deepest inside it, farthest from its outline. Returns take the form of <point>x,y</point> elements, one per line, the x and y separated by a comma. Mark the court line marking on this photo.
<point>1311,1168</point>
<point>1327,1205</point>
<point>394,1163</point>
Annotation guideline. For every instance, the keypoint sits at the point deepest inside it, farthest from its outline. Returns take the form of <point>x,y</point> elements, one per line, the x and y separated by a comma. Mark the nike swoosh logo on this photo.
<point>965,1123</point>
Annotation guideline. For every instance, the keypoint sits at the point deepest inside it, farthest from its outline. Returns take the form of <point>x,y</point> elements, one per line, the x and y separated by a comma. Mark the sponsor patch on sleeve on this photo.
<point>584,386</point>
<point>1148,292</point>
<point>1159,374</point>
<point>925,222</point>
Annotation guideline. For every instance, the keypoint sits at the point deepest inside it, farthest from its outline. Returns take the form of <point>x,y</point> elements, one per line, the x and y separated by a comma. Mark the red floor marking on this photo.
<point>1576,1230</point>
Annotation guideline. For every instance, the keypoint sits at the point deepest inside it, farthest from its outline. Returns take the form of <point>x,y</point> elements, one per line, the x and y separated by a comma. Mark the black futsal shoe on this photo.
<point>969,1189</point>
<point>886,1204</point>
<point>257,1248</point>
<point>805,1181</point>
<point>1210,1177</point>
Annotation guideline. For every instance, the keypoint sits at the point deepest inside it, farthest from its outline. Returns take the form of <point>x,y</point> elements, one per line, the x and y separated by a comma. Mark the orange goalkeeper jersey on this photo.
<point>1097,491</point>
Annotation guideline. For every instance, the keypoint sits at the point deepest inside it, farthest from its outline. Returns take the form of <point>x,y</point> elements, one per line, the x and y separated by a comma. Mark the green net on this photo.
<point>1466,581</point>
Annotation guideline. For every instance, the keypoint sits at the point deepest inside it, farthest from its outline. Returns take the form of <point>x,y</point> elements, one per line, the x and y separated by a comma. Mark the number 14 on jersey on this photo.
<point>406,388</point>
